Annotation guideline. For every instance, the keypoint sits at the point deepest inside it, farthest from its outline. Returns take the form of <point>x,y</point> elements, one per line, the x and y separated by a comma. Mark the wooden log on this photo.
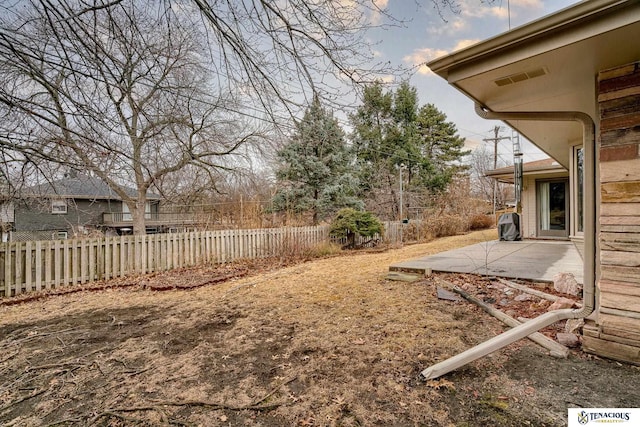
<point>620,228</point>
<point>620,274</point>
<point>619,288</point>
<point>621,93</point>
<point>627,327</point>
<point>625,77</point>
<point>613,73</point>
<point>619,209</point>
<point>624,121</point>
<point>620,301</point>
<point>611,350</point>
<point>555,349</point>
<point>628,242</point>
<point>620,220</point>
<point>625,259</point>
<point>620,107</point>
<point>528,290</point>
<point>618,312</point>
<point>622,191</point>
<point>619,137</point>
<point>621,170</point>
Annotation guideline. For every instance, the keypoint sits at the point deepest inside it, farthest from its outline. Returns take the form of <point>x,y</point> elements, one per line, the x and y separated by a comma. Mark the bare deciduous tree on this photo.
<point>482,186</point>
<point>121,91</point>
<point>134,91</point>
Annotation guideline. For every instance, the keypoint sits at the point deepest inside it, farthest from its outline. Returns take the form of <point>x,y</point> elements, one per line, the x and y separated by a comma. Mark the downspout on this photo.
<point>551,317</point>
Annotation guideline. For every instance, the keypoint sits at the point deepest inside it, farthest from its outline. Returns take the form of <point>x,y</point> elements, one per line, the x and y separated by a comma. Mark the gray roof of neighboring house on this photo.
<point>81,187</point>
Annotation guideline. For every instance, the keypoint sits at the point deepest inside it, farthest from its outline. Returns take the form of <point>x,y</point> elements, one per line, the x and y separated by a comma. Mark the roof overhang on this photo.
<point>550,64</point>
<point>546,168</point>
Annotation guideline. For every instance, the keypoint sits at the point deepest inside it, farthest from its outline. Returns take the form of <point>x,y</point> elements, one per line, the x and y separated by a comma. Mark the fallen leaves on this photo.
<point>441,383</point>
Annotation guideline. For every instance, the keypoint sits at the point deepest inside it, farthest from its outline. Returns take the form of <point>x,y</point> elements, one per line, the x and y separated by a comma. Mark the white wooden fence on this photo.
<point>51,264</point>
<point>41,265</point>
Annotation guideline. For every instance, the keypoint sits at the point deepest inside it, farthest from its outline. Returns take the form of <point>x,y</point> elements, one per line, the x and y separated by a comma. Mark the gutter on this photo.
<point>588,303</point>
<point>578,15</point>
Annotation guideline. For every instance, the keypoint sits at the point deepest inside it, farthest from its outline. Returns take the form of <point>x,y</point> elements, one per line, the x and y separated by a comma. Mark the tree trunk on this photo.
<point>138,216</point>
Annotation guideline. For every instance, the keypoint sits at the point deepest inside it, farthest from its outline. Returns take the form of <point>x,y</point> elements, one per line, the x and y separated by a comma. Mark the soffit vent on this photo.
<point>520,77</point>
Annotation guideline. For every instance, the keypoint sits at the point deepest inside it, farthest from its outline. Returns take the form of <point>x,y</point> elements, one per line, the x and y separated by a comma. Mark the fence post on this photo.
<point>8,267</point>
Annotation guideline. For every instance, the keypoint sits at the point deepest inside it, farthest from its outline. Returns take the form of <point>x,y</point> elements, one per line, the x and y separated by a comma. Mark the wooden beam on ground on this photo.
<point>555,349</point>
<point>528,290</point>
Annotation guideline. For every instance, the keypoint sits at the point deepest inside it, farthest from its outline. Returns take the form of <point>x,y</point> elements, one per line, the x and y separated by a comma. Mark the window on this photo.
<point>58,207</point>
<point>579,157</point>
<point>60,235</point>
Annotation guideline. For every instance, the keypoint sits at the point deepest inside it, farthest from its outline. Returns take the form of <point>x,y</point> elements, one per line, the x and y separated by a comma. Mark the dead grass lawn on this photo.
<point>327,342</point>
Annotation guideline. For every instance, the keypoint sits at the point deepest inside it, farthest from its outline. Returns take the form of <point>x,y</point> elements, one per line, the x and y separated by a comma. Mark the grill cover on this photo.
<point>509,226</point>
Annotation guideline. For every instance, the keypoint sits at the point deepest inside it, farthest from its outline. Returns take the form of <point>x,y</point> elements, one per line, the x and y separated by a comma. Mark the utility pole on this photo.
<point>496,139</point>
<point>401,201</point>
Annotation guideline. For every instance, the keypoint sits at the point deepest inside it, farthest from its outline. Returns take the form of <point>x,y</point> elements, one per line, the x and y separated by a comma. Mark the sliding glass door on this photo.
<point>553,208</point>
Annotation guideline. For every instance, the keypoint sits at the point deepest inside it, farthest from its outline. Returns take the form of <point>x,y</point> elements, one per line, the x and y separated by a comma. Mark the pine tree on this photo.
<point>440,143</point>
<point>313,173</point>
<point>392,131</point>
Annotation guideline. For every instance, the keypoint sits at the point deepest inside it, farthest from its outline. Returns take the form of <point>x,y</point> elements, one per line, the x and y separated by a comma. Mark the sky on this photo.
<point>426,35</point>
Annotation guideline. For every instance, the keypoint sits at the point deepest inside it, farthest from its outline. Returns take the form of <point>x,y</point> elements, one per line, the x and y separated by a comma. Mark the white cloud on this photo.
<point>453,26</point>
<point>475,11</point>
<point>500,12</point>
<point>465,43</point>
<point>388,78</point>
<point>458,24</point>
<point>420,56</point>
<point>529,4</point>
<point>376,11</point>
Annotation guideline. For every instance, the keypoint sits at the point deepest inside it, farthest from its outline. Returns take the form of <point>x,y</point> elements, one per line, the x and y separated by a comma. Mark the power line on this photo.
<point>496,139</point>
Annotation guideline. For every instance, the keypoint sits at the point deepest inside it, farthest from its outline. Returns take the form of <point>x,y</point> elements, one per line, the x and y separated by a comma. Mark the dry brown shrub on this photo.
<point>481,222</point>
<point>446,225</point>
<point>295,248</point>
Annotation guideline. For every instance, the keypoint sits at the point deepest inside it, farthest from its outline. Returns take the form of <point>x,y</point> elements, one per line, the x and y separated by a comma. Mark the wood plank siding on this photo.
<point>616,332</point>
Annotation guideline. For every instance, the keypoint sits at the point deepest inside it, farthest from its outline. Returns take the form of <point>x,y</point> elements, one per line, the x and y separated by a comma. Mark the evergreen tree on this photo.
<point>373,124</point>
<point>440,143</point>
<point>350,223</point>
<point>313,174</point>
<point>392,131</point>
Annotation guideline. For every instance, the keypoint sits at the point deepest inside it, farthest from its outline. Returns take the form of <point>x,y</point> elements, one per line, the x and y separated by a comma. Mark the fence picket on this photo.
<point>28,260</point>
<point>36,265</point>
<point>18,280</point>
<point>84,261</point>
<point>8,266</point>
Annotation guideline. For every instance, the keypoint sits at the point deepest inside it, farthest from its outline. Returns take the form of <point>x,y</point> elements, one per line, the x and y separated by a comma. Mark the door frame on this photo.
<point>558,234</point>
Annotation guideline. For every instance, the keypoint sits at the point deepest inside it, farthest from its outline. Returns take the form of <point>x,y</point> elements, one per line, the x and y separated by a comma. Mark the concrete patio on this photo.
<point>529,259</point>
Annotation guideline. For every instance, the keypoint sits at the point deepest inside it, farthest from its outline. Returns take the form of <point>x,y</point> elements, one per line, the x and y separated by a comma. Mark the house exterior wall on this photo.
<point>35,214</point>
<point>616,331</point>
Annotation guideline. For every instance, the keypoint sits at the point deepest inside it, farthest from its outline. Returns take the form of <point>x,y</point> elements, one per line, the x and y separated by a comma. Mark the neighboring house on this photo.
<point>79,206</point>
<point>546,200</point>
<point>570,83</point>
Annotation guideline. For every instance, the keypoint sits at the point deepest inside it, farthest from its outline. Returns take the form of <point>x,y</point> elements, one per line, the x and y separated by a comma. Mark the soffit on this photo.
<point>563,61</point>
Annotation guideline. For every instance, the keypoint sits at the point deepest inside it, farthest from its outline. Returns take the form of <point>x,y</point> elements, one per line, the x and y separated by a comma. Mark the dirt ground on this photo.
<point>327,342</point>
